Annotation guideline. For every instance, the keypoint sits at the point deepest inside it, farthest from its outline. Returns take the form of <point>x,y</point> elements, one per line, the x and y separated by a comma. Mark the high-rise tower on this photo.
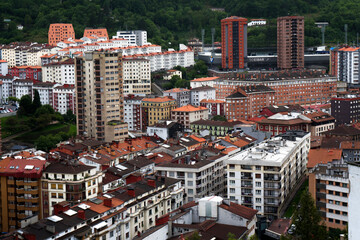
<point>290,42</point>
<point>100,98</point>
<point>234,42</point>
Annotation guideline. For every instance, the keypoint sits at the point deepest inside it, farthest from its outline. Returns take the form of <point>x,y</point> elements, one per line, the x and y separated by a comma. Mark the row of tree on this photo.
<point>171,22</point>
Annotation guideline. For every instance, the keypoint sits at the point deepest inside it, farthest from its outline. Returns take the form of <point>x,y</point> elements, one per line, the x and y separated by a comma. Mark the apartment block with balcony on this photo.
<point>329,187</point>
<point>132,112</point>
<point>181,95</point>
<point>71,182</point>
<point>188,114</point>
<point>263,177</point>
<point>99,86</point>
<point>123,214</point>
<point>201,174</point>
<point>20,192</point>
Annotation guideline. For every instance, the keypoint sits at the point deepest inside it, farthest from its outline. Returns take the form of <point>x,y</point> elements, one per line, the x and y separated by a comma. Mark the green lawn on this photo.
<point>32,136</point>
<point>292,206</point>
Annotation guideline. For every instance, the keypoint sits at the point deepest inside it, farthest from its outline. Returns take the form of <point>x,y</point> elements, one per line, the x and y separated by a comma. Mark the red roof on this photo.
<point>189,108</point>
<point>245,212</point>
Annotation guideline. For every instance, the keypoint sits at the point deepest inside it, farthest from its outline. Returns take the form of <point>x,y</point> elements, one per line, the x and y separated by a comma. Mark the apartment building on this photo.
<point>64,98</point>
<point>264,176</point>
<point>22,87</point>
<point>201,174</point>
<point>165,130</point>
<point>155,109</point>
<point>99,85</point>
<point>329,187</point>
<point>214,128</point>
<point>99,32</point>
<point>70,182</point>
<point>6,87</point>
<point>216,107</point>
<point>188,114</point>
<point>26,72</point>
<point>353,216</point>
<point>59,32</point>
<point>136,76</point>
<point>3,67</point>
<point>345,110</point>
<point>45,90</point>
<point>181,95</point>
<point>212,217</point>
<point>62,72</point>
<point>344,64</point>
<point>172,72</point>
<point>320,122</point>
<point>135,37</point>
<point>289,89</point>
<point>200,93</point>
<point>290,42</point>
<point>123,214</point>
<point>248,101</point>
<point>132,112</point>
<point>20,192</point>
<point>234,42</point>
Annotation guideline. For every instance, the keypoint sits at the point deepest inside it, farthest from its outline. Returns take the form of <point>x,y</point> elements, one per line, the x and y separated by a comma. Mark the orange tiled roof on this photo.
<point>211,101</point>
<point>158,99</point>
<point>189,108</point>
<point>173,90</point>
<point>2,61</point>
<point>323,155</point>
<point>101,208</point>
<point>204,79</point>
<point>228,150</point>
<point>199,139</point>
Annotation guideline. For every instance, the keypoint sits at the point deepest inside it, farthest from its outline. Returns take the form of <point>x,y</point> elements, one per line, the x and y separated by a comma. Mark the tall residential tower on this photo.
<point>100,99</point>
<point>234,42</point>
<point>290,42</point>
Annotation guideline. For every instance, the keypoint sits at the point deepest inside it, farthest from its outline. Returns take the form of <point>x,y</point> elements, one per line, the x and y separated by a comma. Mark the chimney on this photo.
<point>81,214</point>
<point>50,228</point>
<point>131,192</point>
<point>108,202</point>
<point>61,207</point>
<point>151,183</point>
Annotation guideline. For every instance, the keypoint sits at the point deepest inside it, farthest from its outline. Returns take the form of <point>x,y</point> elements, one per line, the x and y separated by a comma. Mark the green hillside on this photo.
<point>171,22</point>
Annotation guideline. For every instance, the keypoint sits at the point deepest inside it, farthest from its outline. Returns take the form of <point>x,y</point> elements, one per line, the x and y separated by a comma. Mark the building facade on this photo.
<point>26,72</point>
<point>64,99</point>
<point>329,187</point>
<point>346,109</point>
<point>136,76</point>
<point>248,101</point>
<point>100,98</point>
<point>99,32</point>
<point>155,109</point>
<point>234,42</point>
<point>200,93</point>
<point>263,177</point>
<point>188,114</point>
<point>59,32</point>
<point>181,95</point>
<point>290,42</point>
<point>62,72</point>
<point>132,112</point>
<point>216,107</point>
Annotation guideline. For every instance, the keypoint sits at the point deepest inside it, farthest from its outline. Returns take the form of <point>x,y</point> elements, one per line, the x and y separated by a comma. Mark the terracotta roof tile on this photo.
<point>323,155</point>
<point>189,108</point>
<point>245,212</point>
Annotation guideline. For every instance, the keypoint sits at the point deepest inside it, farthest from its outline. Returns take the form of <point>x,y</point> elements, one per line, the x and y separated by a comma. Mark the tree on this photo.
<point>219,118</point>
<point>194,236</point>
<point>231,236</point>
<point>26,107</point>
<point>307,220</point>
<point>44,109</point>
<point>36,102</point>
<point>14,99</point>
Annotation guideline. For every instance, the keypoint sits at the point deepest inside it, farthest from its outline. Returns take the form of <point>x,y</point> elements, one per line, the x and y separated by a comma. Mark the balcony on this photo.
<point>321,195</point>
<point>10,182</point>
<point>21,215</point>
<point>320,204</point>
<point>12,214</point>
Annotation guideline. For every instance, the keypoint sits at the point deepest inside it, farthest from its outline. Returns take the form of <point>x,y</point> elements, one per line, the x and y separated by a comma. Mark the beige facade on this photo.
<point>136,76</point>
<point>100,99</point>
<point>188,114</point>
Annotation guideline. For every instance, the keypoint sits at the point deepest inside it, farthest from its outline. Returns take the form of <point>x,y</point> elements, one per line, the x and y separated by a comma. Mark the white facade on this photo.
<point>29,55</point>
<point>59,72</point>
<point>136,76</point>
<point>201,93</point>
<point>262,177</point>
<point>45,91</point>
<point>348,65</point>
<point>161,132</point>
<point>354,196</point>
<point>64,99</point>
<point>6,88</point>
<point>3,67</point>
<point>132,113</point>
<point>257,22</point>
<point>135,37</point>
<point>22,87</point>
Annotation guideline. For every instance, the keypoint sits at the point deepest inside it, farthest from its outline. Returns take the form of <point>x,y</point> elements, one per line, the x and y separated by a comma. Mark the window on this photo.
<point>190,191</point>
<point>190,183</point>
<point>53,186</point>
<point>60,195</point>
<point>190,175</point>
<point>60,186</point>
<point>331,220</point>
<point>344,194</point>
<point>345,185</point>
<point>331,210</point>
<point>258,208</point>
<point>258,184</point>
<point>344,204</point>
<point>231,174</point>
<point>331,192</point>
<point>337,202</point>
<point>231,166</point>
<point>258,192</point>
<point>258,175</point>
<point>53,195</point>
<point>171,174</point>
<point>232,182</point>
<point>232,190</point>
<point>111,233</point>
<point>258,200</point>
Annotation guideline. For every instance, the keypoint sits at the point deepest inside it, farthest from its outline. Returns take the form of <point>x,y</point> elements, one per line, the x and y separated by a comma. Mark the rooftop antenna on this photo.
<point>346,28</point>
<point>202,38</point>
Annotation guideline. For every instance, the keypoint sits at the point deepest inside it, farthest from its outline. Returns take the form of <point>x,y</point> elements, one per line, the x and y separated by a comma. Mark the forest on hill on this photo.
<point>171,22</point>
